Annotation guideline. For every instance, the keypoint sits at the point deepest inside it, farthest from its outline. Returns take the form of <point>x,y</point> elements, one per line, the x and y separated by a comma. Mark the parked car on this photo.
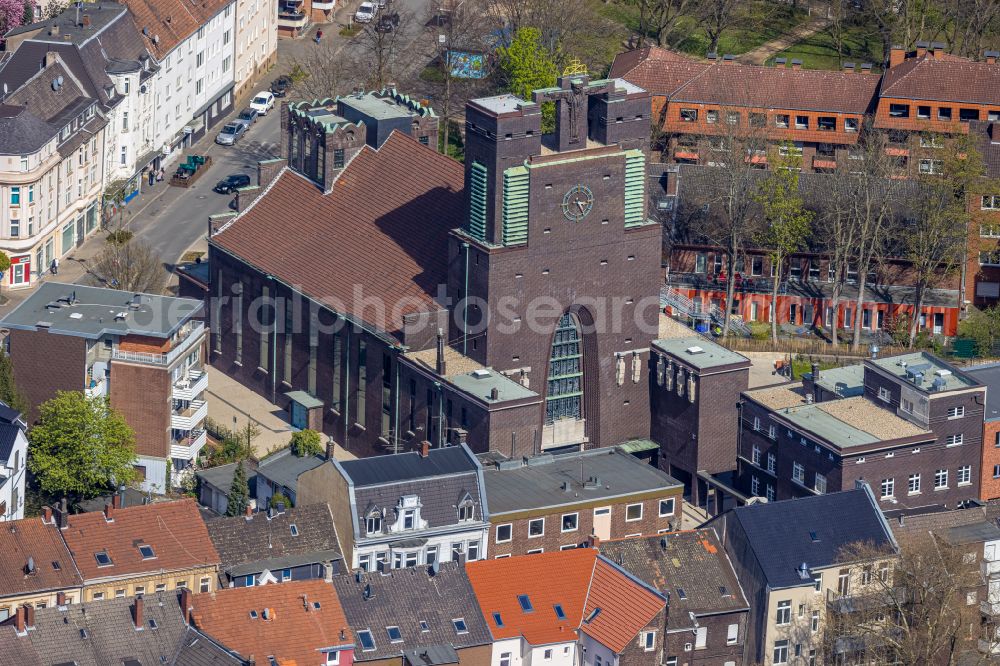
<point>365,14</point>
<point>262,102</point>
<point>247,116</point>
<point>230,184</point>
<point>281,85</point>
<point>230,134</point>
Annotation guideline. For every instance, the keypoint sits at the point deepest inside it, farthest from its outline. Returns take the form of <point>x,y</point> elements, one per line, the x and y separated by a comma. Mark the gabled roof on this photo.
<point>405,598</point>
<point>170,22</point>
<point>248,546</point>
<point>330,244</point>
<point>691,567</point>
<point>945,79</point>
<point>101,633</point>
<point>174,530</point>
<point>302,618</point>
<point>658,70</point>
<point>42,543</point>
<point>284,467</point>
<point>198,650</point>
<point>780,534</point>
<point>547,598</point>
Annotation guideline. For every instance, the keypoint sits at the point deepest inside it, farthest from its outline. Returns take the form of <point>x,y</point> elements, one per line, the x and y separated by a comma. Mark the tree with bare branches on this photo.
<point>324,72</point>
<point>660,19</point>
<point>130,265</point>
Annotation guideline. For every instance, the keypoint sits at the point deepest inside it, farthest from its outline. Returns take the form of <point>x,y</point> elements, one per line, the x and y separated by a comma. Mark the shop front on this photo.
<point>19,274</point>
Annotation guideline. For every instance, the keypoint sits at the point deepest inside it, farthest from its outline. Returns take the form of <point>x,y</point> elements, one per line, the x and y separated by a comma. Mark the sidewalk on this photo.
<point>816,22</point>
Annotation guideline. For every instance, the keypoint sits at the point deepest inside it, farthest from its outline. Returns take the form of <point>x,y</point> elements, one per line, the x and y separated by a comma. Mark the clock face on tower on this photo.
<point>577,203</point>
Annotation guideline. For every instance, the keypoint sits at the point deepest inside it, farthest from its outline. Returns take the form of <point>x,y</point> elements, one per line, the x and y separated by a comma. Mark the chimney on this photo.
<point>47,515</point>
<point>109,513</point>
<point>494,393</point>
<point>248,512</point>
<point>425,449</point>
<point>19,621</point>
<point>61,600</point>
<point>186,605</point>
<point>54,30</point>
<point>991,57</point>
<point>939,50</point>
<point>866,68</point>
<point>781,62</point>
<point>86,20</point>
<point>137,613</point>
<point>922,48</point>
<point>29,616</point>
<point>51,58</point>
<point>305,602</point>
<point>440,367</point>
<point>796,64</point>
<point>815,372</point>
<point>330,448</point>
<point>63,513</point>
<point>729,59</point>
<point>116,501</point>
<point>713,56</point>
<point>897,54</point>
<point>902,519</point>
<point>849,67</point>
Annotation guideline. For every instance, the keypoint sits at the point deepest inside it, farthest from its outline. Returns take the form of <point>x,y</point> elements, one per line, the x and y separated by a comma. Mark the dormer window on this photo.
<point>373,523</point>
<point>466,509</point>
<point>409,518</point>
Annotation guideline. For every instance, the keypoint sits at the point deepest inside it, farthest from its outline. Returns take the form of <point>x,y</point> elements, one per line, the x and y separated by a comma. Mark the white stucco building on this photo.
<point>256,43</point>
<point>13,459</point>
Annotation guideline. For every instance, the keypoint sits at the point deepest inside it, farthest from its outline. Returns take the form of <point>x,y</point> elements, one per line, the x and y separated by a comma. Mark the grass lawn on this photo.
<point>820,52</point>
<point>746,36</point>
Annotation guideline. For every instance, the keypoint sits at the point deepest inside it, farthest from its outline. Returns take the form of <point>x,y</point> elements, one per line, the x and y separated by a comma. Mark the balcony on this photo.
<point>189,417</point>
<point>717,282</point>
<point>190,335</point>
<point>991,608</point>
<point>96,389</point>
<point>188,448</point>
<point>190,387</point>
<point>292,19</point>
<point>823,162</point>
<point>841,604</point>
<point>563,432</point>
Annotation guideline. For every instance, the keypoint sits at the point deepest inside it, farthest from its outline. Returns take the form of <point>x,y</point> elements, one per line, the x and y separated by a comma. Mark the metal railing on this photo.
<point>681,304</point>
<point>153,358</point>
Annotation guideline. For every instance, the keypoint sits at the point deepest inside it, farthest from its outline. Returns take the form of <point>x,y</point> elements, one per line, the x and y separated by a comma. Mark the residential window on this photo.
<point>754,486</point>
<point>883,394</point>
<point>792,150</point>
<point>781,120</point>
<point>931,141</point>
<point>362,383</point>
<point>965,115</point>
<point>826,123</point>
<point>771,462</point>
<point>570,522</point>
<point>913,484</point>
<point>954,440</point>
<point>700,260</point>
<point>820,485</point>
<point>124,121</point>
<point>648,640</point>
<point>373,525</point>
<point>798,472</point>
<point>899,110</point>
<point>772,432</point>
<point>15,196</point>
<point>940,479</point>
<point>733,117</point>
<point>814,625</point>
<point>888,488</point>
<point>818,582</point>
<point>689,115</point>
<point>930,167</point>
<point>633,512</point>
<point>991,202</point>
<point>505,659</point>
<point>755,454</point>
<point>712,116</point>
<point>850,124</point>
<point>267,316</point>
<point>956,412</point>
<point>536,528</point>
<point>964,475</point>
<point>996,471</point>
<point>784,614</point>
<point>924,112</point>
<point>780,652</point>
<point>367,640</point>
<point>944,113</point>
<point>802,122</point>
<point>732,634</point>
<point>758,120</point>
<point>504,532</point>
<point>666,507</point>
<point>205,585</point>
<point>15,228</point>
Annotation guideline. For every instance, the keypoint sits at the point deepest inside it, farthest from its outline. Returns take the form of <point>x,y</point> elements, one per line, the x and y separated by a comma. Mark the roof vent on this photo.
<point>268,614</point>
<point>695,349</point>
<point>121,316</point>
<point>592,483</point>
<point>29,568</point>
<point>367,592</point>
<point>75,315</point>
<point>804,571</point>
<point>480,373</point>
<point>943,372</point>
<point>939,383</point>
<point>901,364</point>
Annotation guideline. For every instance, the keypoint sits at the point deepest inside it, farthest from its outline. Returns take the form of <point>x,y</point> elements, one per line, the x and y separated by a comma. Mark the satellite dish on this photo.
<point>59,80</point>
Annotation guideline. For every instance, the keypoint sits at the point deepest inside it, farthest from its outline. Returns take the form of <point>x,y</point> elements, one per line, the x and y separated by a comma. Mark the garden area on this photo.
<point>819,51</point>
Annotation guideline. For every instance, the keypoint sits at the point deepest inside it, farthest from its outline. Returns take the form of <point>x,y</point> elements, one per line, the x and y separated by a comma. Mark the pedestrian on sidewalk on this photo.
<point>54,267</point>
<point>152,177</point>
<point>319,35</point>
<point>160,174</point>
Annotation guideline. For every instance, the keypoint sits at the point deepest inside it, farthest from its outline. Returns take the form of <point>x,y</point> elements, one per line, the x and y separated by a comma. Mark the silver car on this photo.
<point>230,134</point>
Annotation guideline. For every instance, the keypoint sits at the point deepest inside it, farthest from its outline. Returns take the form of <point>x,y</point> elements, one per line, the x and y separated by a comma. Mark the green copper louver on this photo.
<point>476,225</point>
<point>635,188</point>
<point>515,206</point>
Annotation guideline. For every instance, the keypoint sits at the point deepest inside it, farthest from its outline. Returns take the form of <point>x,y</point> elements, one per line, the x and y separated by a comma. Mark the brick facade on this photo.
<point>142,394</point>
<point>62,357</point>
<point>990,477</point>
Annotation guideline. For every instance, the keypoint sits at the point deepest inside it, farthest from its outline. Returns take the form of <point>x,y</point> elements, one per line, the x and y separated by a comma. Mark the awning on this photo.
<point>195,125</point>
<point>432,655</point>
<point>639,446</point>
<point>304,399</point>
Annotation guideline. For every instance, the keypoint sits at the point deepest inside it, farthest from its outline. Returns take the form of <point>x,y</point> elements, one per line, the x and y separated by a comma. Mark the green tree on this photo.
<point>80,446</point>
<point>8,389</point>
<point>239,492</point>
<point>29,14</point>
<point>786,219</point>
<point>306,443</point>
<point>527,65</point>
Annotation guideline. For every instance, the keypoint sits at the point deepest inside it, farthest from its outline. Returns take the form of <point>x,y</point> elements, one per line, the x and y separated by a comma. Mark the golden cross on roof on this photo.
<point>574,67</point>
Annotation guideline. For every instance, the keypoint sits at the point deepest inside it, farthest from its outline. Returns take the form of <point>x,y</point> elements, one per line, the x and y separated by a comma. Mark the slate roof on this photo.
<point>221,476</point>
<point>170,22</point>
<point>691,567</point>
<point>779,534</point>
<point>31,538</point>
<point>578,582</point>
<point>22,132</point>
<point>175,530</point>
<point>111,637</point>
<point>198,650</point>
<point>350,236</point>
<point>949,80</point>
<point>405,597</point>
<point>681,79</point>
<point>538,482</point>
<point>267,543</point>
<point>939,522</point>
<point>989,375</point>
<point>284,467</point>
<point>305,616</point>
<point>9,434</point>
<point>409,466</point>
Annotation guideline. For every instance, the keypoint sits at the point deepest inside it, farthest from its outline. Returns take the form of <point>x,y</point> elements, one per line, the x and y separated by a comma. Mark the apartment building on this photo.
<point>790,559</point>
<point>194,44</point>
<point>143,352</point>
<point>989,474</point>
<point>104,51</point>
<point>157,547</point>
<point>256,43</point>
<point>51,165</point>
<point>13,463</point>
<point>548,502</point>
<point>908,425</point>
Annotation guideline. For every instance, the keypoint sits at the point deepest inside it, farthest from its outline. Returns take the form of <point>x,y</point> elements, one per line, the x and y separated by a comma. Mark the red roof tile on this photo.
<point>382,229</point>
<point>171,21</point>
<point>659,71</point>
<point>626,607</point>
<point>31,538</point>
<point>296,628</point>
<point>946,79</point>
<point>174,530</point>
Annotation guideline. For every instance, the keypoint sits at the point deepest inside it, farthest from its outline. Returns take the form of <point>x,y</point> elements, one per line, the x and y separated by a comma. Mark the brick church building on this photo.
<point>386,295</point>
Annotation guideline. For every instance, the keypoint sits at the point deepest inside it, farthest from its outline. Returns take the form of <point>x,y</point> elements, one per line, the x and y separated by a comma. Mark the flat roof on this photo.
<point>480,384</point>
<point>932,368</point>
<point>778,397</point>
<point>373,106</point>
<point>498,104</point>
<point>847,381</point>
<point>990,376</point>
<point>700,352</point>
<point>851,422</point>
<point>972,533</point>
<point>570,478</point>
<point>92,312</point>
